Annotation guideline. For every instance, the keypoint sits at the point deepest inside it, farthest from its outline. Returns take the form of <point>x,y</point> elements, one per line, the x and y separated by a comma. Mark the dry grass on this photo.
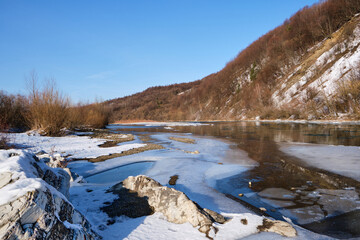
<point>183,140</point>
<point>114,139</point>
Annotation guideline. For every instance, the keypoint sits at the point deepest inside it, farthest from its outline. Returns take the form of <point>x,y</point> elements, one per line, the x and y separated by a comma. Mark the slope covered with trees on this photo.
<point>274,77</point>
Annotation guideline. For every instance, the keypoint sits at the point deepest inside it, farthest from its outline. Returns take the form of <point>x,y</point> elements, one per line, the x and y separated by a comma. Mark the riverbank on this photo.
<point>198,175</point>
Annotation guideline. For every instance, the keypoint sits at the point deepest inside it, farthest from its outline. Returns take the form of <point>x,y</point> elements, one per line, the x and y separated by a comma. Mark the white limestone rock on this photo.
<point>33,201</point>
<point>175,205</point>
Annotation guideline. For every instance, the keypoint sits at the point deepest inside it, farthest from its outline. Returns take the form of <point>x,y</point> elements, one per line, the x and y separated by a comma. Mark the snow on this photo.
<point>343,160</point>
<point>327,82</point>
<point>198,174</point>
<point>71,225</point>
<point>116,175</point>
<point>235,229</point>
<point>24,179</point>
<point>152,227</point>
<point>76,146</point>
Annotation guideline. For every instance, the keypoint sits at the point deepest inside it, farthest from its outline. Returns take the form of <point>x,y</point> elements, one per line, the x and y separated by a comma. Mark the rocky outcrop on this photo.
<point>33,201</point>
<point>42,215</point>
<point>175,205</point>
<point>54,161</point>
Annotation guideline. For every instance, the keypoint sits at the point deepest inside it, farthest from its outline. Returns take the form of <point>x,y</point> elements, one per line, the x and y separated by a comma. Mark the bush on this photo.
<point>94,115</point>
<point>13,110</point>
<point>97,115</point>
<point>48,108</point>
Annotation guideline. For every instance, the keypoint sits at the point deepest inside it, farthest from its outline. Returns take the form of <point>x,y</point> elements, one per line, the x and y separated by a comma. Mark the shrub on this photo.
<point>12,112</point>
<point>48,108</point>
<point>97,115</point>
<point>94,115</point>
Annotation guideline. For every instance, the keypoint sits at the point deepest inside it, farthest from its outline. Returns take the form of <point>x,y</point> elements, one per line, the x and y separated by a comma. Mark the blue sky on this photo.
<point>113,48</point>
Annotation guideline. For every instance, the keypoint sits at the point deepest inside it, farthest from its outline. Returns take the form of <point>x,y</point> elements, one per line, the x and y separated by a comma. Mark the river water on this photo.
<point>314,196</point>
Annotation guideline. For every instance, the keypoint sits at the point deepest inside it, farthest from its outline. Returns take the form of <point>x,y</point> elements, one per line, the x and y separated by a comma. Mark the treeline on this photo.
<point>47,110</point>
<point>267,59</point>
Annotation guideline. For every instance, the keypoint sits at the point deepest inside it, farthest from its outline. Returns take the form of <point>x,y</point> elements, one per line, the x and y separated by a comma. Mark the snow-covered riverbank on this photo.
<point>198,166</point>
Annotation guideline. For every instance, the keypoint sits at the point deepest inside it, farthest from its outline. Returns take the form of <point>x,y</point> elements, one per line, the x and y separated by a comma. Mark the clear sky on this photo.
<point>113,48</point>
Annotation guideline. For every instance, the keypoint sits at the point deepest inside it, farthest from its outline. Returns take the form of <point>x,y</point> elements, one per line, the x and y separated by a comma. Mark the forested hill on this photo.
<point>309,68</point>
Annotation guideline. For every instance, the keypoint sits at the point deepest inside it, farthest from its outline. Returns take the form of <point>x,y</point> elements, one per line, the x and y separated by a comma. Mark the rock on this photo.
<point>128,203</point>
<point>262,209</point>
<point>55,161</point>
<point>36,213</point>
<point>69,172</point>
<point>173,179</point>
<point>5,178</point>
<point>215,216</point>
<point>37,206</point>
<point>280,227</point>
<point>175,205</point>
<point>59,179</point>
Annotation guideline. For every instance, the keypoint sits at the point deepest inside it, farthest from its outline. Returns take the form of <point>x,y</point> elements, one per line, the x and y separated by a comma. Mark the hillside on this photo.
<point>155,103</point>
<point>309,67</point>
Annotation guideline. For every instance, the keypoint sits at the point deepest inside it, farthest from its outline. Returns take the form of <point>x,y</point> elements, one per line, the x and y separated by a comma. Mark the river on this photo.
<point>308,173</point>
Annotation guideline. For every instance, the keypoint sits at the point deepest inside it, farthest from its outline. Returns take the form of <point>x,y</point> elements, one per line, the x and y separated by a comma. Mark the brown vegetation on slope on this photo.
<point>245,85</point>
<point>156,103</point>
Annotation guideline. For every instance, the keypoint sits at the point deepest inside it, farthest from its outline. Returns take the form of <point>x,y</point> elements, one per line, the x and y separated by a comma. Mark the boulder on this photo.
<point>34,202</point>
<point>40,214</point>
<point>175,205</point>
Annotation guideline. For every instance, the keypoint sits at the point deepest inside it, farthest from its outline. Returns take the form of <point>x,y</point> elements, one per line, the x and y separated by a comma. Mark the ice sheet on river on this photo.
<point>343,160</point>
